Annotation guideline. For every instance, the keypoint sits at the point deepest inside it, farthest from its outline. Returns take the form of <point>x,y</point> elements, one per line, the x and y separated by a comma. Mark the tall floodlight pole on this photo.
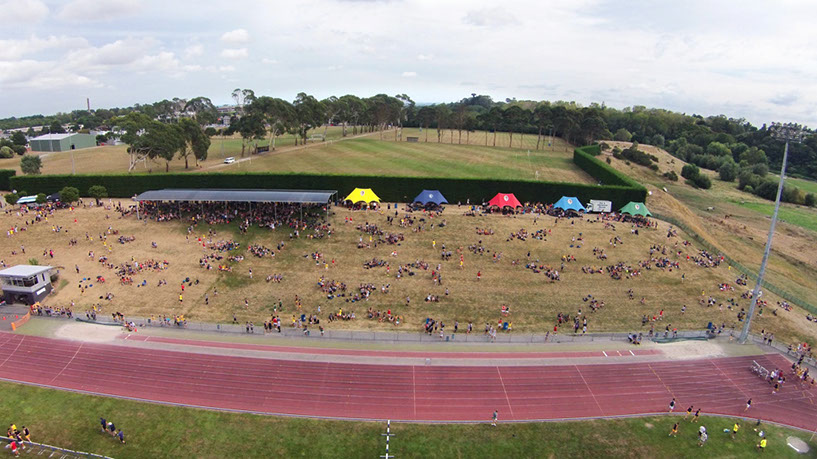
<point>789,133</point>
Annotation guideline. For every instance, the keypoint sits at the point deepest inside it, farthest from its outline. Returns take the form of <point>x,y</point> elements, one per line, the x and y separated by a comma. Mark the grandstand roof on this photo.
<point>211,195</point>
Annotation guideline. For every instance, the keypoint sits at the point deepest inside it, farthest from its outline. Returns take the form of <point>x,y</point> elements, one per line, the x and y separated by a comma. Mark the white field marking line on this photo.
<point>631,353</point>
<point>730,379</point>
<point>414,389</point>
<point>69,362</point>
<point>507,399</point>
<point>588,388</point>
<point>661,380</point>
<point>14,351</point>
<point>605,353</point>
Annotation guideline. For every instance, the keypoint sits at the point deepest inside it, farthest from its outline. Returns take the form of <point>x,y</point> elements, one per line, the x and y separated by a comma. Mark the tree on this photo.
<point>69,195</point>
<point>754,156</point>
<point>41,198</point>
<point>278,115</point>
<point>19,149</point>
<point>309,113</point>
<point>810,200</point>
<point>11,198</point>
<point>196,142</point>
<point>760,169</point>
<point>718,149</point>
<point>56,128</point>
<point>426,116</point>
<point>541,118</point>
<point>728,171</point>
<point>210,131</point>
<point>6,152</point>
<point>31,164</point>
<point>203,110</point>
<point>513,118</point>
<point>133,127</point>
<point>18,138</point>
<point>622,135</point>
<point>442,116</point>
<point>491,119</point>
<point>405,112</point>
<point>97,192</point>
<point>592,125</point>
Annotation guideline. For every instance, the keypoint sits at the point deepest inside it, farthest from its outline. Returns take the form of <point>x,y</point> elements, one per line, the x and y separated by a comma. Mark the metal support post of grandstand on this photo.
<point>790,133</point>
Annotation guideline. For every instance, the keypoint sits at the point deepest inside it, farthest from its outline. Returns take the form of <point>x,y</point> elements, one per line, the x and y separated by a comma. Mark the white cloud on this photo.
<point>425,57</point>
<point>22,11</point>
<point>226,68</point>
<point>269,61</point>
<point>119,52</point>
<point>235,53</point>
<point>193,51</point>
<point>235,37</point>
<point>19,48</point>
<point>41,76</point>
<point>490,17</point>
<point>99,10</point>
<point>409,74</point>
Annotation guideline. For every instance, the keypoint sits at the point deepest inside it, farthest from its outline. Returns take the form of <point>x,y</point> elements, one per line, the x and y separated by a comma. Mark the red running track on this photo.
<point>403,392</point>
<point>387,353</point>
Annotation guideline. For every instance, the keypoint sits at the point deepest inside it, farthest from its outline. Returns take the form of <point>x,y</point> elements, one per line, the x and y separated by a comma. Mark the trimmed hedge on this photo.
<point>606,174</point>
<point>5,174</point>
<point>617,188</point>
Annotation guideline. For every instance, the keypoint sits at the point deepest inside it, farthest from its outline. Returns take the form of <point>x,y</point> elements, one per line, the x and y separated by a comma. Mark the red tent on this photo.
<point>505,200</point>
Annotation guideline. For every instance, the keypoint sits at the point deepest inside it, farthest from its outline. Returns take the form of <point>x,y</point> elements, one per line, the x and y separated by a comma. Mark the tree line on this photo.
<point>713,142</point>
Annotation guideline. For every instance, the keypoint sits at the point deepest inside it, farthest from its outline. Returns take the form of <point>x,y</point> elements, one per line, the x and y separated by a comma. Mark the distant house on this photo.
<point>26,283</point>
<point>62,142</point>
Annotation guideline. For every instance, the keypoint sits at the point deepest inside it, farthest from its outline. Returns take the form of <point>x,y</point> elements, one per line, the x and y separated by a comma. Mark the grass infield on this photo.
<point>71,421</point>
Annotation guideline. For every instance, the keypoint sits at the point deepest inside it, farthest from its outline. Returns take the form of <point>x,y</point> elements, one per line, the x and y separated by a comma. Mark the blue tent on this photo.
<point>570,203</point>
<point>430,196</point>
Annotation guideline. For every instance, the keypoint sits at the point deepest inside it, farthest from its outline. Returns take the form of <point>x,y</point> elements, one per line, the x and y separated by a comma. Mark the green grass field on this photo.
<point>798,216</point>
<point>72,421</point>
<point>383,157</point>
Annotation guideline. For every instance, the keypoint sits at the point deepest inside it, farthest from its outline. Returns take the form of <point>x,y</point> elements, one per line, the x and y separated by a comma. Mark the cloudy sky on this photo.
<point>754,59</point>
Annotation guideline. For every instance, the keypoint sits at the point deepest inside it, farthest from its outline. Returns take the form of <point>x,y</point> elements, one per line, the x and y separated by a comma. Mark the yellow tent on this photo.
<point>362,195</point>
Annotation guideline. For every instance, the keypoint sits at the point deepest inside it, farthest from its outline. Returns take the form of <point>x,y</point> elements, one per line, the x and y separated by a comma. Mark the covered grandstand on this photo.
<point>249,196</point>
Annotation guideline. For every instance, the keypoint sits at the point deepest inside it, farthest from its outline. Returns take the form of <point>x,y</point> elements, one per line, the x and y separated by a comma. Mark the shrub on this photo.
<point>671,175</point>
<point>810,200</point>
<point>69,194</point>
<point>6,152</point>
<point>749,189</point>
<point>760,169</point>
<point>622,135</point>
<point>728,171</point>
<point>41,198</point>
<point>690,171</point>
<point>747,178</point>
<point>604,146</point>
<point>33,261</point>
<point>31,164</point>
<point>97,192</point>
<point>654,167</point>
<point>609,161</point>
<point>767,189</point>
<point>12,198</point>
<point>702,181</point>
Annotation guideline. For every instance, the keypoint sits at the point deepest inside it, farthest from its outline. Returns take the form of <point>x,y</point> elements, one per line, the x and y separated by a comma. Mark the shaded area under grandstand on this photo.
<point>407,392</point>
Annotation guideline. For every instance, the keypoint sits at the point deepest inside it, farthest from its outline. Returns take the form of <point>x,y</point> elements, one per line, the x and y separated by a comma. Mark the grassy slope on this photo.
<point>71,420</point>
<point>372,156</point>
<point>739,223</point>
<point>534,302</point>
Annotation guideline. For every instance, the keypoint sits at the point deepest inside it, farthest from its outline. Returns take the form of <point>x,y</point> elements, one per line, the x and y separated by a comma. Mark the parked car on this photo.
<point>229,160</point>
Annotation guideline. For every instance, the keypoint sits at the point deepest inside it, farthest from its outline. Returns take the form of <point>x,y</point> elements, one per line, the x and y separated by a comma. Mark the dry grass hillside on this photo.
<point>738,222</point>
<point>533,299</point>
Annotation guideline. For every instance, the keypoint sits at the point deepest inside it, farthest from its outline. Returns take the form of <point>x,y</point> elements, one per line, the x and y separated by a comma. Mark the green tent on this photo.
<point>636,208</point>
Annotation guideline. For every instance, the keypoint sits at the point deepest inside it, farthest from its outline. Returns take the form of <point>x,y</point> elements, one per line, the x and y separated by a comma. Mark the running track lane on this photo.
<point>386,353</point>
<point>405,393</point>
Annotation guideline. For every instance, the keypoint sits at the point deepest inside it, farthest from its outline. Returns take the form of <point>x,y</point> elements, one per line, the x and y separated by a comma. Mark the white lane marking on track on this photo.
<point>14,351</point>
<point>507,399</point>
<point>69,362</point>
